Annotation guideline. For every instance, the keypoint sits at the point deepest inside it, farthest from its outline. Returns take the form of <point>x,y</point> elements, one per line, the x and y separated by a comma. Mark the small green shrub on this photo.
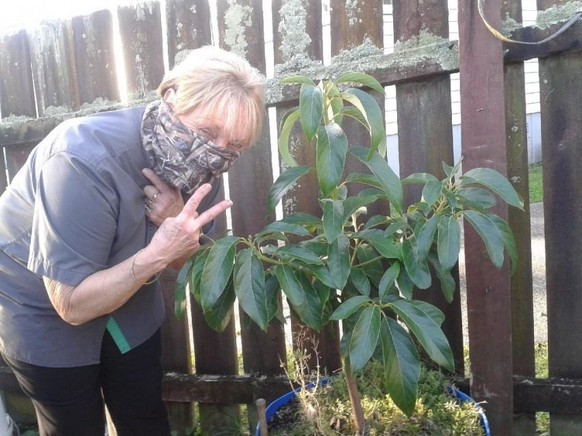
<point>536,191</point>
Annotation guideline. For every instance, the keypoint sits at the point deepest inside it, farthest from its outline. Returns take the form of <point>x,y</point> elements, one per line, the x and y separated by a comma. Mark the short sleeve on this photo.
<point>74,220</point>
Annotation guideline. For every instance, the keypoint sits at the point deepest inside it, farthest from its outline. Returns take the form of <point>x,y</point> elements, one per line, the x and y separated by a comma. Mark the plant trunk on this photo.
<point>355,400</point>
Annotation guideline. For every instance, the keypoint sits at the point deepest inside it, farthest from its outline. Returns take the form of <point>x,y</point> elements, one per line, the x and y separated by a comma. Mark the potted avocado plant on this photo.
<point>345,265</point>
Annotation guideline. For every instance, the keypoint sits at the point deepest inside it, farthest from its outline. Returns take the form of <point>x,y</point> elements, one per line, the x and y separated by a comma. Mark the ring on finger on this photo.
<point>155,196</point>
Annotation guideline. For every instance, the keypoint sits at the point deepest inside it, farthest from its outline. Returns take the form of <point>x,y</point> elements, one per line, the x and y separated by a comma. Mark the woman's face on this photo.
<point>213,129</point>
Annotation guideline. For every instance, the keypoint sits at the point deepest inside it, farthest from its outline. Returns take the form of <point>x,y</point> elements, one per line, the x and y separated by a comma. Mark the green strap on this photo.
<point>117,335</point>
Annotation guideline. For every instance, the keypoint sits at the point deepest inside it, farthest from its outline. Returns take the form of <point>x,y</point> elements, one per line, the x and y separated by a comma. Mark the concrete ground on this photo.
<point>539,276</point>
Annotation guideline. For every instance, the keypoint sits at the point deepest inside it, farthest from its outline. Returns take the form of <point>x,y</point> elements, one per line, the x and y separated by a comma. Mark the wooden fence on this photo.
<point>70,67</point>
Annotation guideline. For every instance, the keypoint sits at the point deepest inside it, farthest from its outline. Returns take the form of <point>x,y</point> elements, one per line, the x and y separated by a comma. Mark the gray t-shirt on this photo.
<point>76,207</point>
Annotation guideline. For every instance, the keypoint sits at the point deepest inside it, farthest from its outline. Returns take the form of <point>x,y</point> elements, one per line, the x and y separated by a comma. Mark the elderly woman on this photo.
<point>102,206</point>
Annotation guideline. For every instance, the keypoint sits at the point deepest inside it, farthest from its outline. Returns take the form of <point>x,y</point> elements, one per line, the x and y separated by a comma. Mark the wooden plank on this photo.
<point>522,310</point>
<point>140,27</point>
<point>548,395</point>
<point>569,41</point>
<point>354,22</point>
<point>16,86</point>
<point>425,139</point>
<point>95,56</point>
<point>240,30</point>
<point>297,30</point>
<point>484,145</point>
<point>560,96</point>
<point>297,40</point>
<point>55,80</point>
<point>188,26</point>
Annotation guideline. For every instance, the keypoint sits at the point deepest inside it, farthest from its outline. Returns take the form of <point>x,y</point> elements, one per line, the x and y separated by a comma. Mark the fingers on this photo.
<point>157,182</point>
<point>190,211</point>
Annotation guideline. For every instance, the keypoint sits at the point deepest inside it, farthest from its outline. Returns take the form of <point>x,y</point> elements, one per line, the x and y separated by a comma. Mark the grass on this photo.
<point>536,192</point>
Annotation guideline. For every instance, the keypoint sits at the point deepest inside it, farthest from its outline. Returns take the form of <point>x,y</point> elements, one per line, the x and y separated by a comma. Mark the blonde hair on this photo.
<point>222,84</point>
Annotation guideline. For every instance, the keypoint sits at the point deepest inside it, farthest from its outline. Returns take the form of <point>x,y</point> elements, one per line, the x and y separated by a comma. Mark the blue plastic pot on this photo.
<point>289,396</point>
<point>464,398</point>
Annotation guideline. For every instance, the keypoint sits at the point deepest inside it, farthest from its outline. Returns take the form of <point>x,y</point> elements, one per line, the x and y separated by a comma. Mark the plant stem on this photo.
<point>355,400</point>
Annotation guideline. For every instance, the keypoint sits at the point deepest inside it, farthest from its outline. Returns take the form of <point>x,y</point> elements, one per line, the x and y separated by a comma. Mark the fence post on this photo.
<point>484,144</point>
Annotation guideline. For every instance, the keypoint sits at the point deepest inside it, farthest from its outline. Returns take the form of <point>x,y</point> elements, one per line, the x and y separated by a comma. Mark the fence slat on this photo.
<point>16,86</point>
<point>140,27</point>
<point>53,67</point>
<point>560,96</point>
<point>95,57</point>
<point>522,310</point>
<point>188,25</point>
<point>484,144</point>
<point>425,139</point>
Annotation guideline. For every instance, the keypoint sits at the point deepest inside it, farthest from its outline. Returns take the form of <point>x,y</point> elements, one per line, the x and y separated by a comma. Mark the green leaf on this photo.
<point>284,134</point>
<point>333,219</point>
<point>283,183</point>
<point>217,270</point>
<point>495,181</point>
<point>220,314</point>
<point>401,365</point>
<point>448,241</point>
<point>405,284</point>
<point>508,241</point>
<point>369,108</point>
<point>290,285</point>
<point>349,307</point>
<point>421,322</point>
<point>364,338</point>
<point>321,273</point>
<point>448,283</point>
<point>284,227</point>
<point>338,261</point>
<point>309,308</point>
<point>311,109</point>
<point>476,198</point>
<point>417,268</point>
<point>302,219</point>
<point>419,179</point>
<point>250,289</point>
<point>426,235</point>
<point>364,179</point>
<point>352,204</point>
<point>361,79</point>
<point>388,280</point>
<point>180,300</point>
<point>296,252</point>
<point>388,179</point>
<point>196,273</point>
<point>431,192</point>
<point>360,281</point>
<point>489,233</point>
<point>297,79</point>
<point>332,148</point>
<point>387,247</point>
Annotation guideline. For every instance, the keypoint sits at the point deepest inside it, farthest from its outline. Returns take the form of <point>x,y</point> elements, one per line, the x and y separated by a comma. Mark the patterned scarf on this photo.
<point>178,155</point>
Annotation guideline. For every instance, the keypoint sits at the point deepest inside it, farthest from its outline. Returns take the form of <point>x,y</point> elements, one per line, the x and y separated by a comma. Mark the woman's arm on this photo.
<point>107,290</point>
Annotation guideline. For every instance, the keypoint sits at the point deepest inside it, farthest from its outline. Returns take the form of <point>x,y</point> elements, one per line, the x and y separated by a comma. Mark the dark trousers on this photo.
<point>69,401</point>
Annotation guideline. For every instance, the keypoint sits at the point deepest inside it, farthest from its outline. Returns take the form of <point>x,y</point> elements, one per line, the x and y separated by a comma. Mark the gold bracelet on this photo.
<point>133,273</point>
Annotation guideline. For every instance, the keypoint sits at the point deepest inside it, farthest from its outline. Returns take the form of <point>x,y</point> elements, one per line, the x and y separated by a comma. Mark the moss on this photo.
<point>367,58</point>
<point>556,14</point>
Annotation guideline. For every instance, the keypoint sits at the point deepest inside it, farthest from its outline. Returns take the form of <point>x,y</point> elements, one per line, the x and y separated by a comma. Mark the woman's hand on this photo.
<point>161,200</point>
<point>178,237</point>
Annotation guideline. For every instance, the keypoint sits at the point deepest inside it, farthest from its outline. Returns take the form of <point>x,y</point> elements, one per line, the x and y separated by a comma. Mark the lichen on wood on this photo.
<point>237,19</point>
<point>556,14</point>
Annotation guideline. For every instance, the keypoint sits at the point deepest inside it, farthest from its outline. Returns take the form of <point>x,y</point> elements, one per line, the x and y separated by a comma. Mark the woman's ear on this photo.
<point>170,97</point>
